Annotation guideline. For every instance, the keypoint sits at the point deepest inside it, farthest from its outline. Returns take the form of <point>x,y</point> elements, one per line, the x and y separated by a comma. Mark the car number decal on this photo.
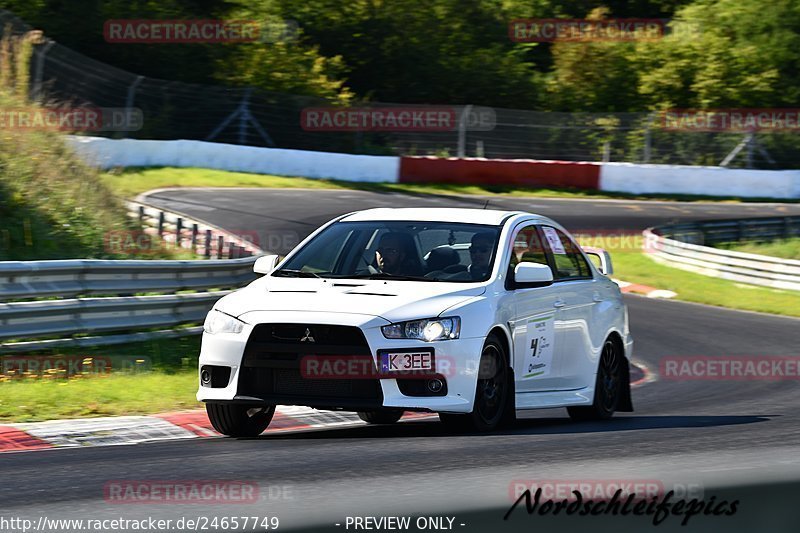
<point>539,346</point>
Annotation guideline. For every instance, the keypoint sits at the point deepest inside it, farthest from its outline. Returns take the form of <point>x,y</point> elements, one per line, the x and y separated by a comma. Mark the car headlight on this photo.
<point>219,322</point>
<point>429,329</point>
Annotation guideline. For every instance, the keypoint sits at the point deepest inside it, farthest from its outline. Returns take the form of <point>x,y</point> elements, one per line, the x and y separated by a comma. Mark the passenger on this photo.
<point>480,253</point>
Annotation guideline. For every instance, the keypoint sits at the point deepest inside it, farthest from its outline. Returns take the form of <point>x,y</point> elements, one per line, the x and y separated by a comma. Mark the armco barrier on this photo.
<point>183,231</point>
<point>708,181</point>
<point>676,246</point>
<point>38,319</point>
<point>613,177</point>
<point>83,277</point>
<point>61,317</point>
<point>108,153</point>
<point>519,172</point>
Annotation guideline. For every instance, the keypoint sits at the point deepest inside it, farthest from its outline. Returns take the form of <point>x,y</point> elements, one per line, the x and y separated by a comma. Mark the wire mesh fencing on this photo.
<point>256,117</point>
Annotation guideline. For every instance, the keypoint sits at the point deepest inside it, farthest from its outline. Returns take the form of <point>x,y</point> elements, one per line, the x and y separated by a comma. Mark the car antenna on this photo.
<point>487,203</point>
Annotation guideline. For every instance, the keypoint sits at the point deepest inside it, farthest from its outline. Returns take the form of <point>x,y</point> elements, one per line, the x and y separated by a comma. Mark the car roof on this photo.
<point>490,217</point>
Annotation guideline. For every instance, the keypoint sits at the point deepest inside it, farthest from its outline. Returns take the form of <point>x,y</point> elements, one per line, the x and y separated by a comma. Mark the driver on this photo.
<point>480,253</point>
<point>393,257</point>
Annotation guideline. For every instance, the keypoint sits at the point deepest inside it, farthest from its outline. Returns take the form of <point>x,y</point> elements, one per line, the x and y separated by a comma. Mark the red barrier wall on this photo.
<point>522,172</point>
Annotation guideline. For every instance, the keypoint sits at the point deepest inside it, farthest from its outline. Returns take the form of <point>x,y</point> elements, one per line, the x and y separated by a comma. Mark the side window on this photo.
<point>567,257</point>
<point>527,248</point>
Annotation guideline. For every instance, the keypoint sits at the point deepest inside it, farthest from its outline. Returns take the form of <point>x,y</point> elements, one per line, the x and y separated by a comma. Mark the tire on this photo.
<point>494,401</point>
<point>607,389</point>
<point>235,420</point>
<point>382,416</point>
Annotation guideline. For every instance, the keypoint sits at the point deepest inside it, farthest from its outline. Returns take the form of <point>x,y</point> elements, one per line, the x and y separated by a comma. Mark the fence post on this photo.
<point>207,251</point>
<point>160,224</point>
<point>220,246</point>
<point>194,238</point>
<point>178,231</point>
<point>141,216</point>
<point>462,131</point>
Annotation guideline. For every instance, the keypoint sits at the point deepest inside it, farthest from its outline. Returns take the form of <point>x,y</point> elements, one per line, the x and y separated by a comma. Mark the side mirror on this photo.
<point>265,264</point>
<point>525,273</point>
<point>605,267</point>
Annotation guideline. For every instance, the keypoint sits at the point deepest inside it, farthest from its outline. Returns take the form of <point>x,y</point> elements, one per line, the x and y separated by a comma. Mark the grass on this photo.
<point>784,248</point>
<point>636,267</point>
<point>168,385</point>
<point>114,395</point>
<point>133,181</point>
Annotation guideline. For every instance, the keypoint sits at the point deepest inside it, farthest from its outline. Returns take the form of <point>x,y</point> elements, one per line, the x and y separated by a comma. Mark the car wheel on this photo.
<point>382,416</point>
<point>235,420</point>
<point>607,388</point>
<point>492,394</point>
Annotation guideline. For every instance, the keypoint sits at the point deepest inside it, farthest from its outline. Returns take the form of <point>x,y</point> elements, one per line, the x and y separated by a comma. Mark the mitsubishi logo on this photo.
<point>307,337</point>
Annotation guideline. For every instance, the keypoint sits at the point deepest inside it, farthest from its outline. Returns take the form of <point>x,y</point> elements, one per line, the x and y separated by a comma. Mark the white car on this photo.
<point>471,314</point>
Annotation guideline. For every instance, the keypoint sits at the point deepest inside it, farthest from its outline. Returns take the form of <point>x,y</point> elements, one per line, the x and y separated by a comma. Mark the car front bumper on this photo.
<point>456,362</point>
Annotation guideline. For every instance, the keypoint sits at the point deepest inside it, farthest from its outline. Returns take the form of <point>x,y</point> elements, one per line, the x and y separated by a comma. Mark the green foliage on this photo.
<point>52,204</point>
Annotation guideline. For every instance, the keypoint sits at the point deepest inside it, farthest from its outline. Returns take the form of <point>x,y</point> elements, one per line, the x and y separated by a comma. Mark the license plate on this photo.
<point>406,361</point>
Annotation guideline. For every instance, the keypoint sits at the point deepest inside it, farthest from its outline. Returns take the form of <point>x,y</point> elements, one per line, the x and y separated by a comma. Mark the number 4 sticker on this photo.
<point>539,355</point>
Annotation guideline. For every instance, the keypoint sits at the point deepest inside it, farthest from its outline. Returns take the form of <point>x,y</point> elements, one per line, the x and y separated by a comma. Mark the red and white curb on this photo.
<point>644,290</point>
<point>120,430</point>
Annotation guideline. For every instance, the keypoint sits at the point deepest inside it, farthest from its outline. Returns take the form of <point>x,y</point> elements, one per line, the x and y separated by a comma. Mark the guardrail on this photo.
<point>40,300</point>
<point>48,318</point>
<point>90,277</point>
<point>182,231</point>
<point>682,246</point>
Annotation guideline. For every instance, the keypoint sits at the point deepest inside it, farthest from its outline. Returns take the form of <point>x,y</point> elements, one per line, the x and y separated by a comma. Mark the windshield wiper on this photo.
<point>386,275</point>
<point>288,273</point>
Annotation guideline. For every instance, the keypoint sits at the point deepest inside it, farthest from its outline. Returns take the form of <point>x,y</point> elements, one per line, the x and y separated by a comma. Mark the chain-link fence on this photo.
<point>251,116</point>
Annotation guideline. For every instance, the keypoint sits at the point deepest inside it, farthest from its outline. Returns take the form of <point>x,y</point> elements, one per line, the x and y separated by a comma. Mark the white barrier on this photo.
<point>108,153</point>
<point>618,177</point>
<point>711,181</point>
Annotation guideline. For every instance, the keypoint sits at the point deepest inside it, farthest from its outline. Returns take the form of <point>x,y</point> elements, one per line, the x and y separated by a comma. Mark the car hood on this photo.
<point>392,300</point>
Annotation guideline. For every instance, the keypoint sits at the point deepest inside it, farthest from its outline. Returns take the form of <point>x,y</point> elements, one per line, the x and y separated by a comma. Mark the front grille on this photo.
<point>271,366</point>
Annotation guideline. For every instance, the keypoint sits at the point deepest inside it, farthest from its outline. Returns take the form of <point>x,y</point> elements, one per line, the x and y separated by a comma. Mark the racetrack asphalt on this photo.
<point>727,439</point>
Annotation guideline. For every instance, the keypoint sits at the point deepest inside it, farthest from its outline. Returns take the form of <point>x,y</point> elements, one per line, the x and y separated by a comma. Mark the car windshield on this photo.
<point>400,250</point>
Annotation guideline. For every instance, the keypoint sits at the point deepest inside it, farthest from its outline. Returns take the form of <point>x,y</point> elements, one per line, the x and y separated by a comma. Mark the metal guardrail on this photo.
<point>683,246</point>
<point>47,318</point>
<point>182,231</point>
<point>42,300</point>
<point>86,277</point>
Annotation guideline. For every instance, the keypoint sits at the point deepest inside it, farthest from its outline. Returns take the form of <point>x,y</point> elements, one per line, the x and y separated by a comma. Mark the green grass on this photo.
<point>785,248</point>
<point>169,385</point>
<point>133,394</point>
<point>132,181</point>
<point>52,204</point>
<point>636,267</point>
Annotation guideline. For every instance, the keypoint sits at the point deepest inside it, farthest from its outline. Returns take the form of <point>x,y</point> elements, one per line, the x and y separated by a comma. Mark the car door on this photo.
<point>577,298</point>
<point>536,326</point>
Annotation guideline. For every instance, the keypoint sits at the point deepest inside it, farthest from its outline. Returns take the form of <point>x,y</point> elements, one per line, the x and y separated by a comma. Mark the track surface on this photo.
<point>694,434</point>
